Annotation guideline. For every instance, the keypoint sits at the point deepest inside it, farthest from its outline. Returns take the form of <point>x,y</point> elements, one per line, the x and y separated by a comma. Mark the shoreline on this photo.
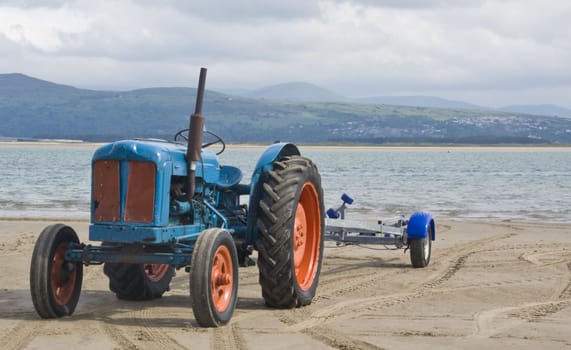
<point>245,146</point>
<point>439,220</point>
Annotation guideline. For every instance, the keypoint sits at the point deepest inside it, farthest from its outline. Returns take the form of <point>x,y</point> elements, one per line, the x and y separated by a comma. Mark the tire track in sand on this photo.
<point>514,316</point>
<point>228,337</point>
<point>540,311</point>
<point>350,283</point>
<point>354,308</point>
<point>336,286</point>
<point>347,284</point>
<point>535,256</point>
<point>566,292</point>
<point>450,262</point>
<point>528,312</point>
<point>140,332</point>
<point>118,336</point>
<point>338,340</point>
<point>351,308</point>
<point>21,335</point>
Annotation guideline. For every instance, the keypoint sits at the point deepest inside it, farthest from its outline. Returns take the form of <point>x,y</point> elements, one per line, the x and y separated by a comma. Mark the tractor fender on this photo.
<point>273,153</point>
<point>270,155</point>
<point>418,226</point>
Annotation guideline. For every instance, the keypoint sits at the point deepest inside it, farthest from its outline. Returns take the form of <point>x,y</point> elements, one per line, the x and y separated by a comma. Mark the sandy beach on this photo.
<point>489,285</point>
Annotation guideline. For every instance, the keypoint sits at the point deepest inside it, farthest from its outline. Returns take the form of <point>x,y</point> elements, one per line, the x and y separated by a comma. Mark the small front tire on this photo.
<point>214,278</point>
<point>55,283</point>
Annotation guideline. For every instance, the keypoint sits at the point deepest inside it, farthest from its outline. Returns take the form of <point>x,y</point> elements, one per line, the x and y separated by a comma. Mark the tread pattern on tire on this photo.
<point>275,223</point>
<point>130,282</point>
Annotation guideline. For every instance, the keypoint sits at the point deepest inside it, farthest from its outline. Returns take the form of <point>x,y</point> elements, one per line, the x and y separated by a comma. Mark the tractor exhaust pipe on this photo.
<point>196,127</point>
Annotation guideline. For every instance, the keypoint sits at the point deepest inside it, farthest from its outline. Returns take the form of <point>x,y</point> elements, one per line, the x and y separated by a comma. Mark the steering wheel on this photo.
<point>183,134</point>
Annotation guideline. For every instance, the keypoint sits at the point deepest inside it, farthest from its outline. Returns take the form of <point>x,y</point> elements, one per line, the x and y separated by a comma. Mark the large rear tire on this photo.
<point>214,278</point>
<point>421,249</point>
<point>138,281</point>
<point>55,283</point>
<point>290,221</point>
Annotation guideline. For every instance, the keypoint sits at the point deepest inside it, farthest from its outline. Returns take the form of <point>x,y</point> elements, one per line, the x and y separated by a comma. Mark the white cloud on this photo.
<point>244,10</point>
<point>41,29</point>
<point>486,49</point>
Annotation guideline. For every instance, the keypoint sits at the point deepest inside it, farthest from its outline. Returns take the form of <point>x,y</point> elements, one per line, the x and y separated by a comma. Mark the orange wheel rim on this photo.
<point>222,279</point>
<point>62,280</point>
<point>307,236</point>
<point>155,272</point>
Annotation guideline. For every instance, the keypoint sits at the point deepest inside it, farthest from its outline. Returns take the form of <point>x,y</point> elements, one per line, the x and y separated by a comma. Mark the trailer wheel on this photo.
<point>138,281</point>
<point>55,283</point>
<point>214,278</point>
<point>290,221</point>
<point>420,250</point>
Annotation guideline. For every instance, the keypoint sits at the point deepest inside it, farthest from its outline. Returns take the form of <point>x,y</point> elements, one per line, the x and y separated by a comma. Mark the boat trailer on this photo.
<point>415,233</point>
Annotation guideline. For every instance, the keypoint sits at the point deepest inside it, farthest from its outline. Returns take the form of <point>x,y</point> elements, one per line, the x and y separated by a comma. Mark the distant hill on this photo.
<point>297,91</point>
<point>546,109</point>
<point>35,109</point>
<point>306,92</point>
<point>16,83</point>
<point>18,86</point>
<point>419,101</point>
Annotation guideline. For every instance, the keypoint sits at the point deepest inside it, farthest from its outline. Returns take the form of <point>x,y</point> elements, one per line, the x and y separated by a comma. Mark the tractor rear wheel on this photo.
<point>138,281</point>
<point>55,283</point>
<point>214,278</point>
<point>420,250</point>
<point>290,221</point>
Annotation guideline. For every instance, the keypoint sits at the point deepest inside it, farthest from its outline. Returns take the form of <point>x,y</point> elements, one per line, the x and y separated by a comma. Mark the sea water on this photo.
<point>525,184</point>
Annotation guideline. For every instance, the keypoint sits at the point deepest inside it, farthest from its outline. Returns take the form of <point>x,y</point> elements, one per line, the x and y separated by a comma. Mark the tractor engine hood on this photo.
<point>167,156</point>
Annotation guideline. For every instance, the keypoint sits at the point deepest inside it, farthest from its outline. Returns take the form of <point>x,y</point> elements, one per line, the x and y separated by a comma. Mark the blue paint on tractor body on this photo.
<point>174,220</point>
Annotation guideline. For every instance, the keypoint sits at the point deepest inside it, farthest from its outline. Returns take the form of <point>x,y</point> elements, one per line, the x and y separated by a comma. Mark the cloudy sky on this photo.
<point>495,52</point>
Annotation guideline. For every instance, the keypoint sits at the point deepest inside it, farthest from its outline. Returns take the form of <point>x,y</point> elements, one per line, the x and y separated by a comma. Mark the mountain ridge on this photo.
<point>32,108</point>
<point>295,91</point>
<point>542,109</point>
<point>307,92</point>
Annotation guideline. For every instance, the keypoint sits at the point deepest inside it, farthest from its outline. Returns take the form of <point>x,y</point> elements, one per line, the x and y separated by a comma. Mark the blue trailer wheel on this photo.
<point>420,249</point>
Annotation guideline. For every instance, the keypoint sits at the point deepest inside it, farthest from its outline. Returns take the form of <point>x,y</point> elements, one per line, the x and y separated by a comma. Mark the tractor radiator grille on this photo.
<point>138,180</point>
<point>106,191</point>
<point>140,202</point>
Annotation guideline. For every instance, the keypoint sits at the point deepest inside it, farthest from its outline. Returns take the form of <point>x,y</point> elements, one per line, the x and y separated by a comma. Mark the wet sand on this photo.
<point>489,285</point>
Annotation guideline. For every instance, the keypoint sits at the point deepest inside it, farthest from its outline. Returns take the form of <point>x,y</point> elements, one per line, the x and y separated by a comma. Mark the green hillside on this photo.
<point>32,108</point>
<point>298,91</point>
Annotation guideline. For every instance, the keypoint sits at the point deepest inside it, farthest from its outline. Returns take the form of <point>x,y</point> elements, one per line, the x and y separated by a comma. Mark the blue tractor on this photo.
<point>159,206</point>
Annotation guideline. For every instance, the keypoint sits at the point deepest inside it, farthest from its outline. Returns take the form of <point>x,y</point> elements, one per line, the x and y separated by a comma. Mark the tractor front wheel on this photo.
<point>290,223</point>
<point>214,278</point>
<point>138,281</point>
<point>55,283</point>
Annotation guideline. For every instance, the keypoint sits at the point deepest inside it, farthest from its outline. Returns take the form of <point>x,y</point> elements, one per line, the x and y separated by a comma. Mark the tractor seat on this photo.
<point>229,176</point>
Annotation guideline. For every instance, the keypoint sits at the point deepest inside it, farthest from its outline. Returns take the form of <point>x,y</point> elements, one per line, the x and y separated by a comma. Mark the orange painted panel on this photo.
<point>140,203</point>
<point>106,191</point>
